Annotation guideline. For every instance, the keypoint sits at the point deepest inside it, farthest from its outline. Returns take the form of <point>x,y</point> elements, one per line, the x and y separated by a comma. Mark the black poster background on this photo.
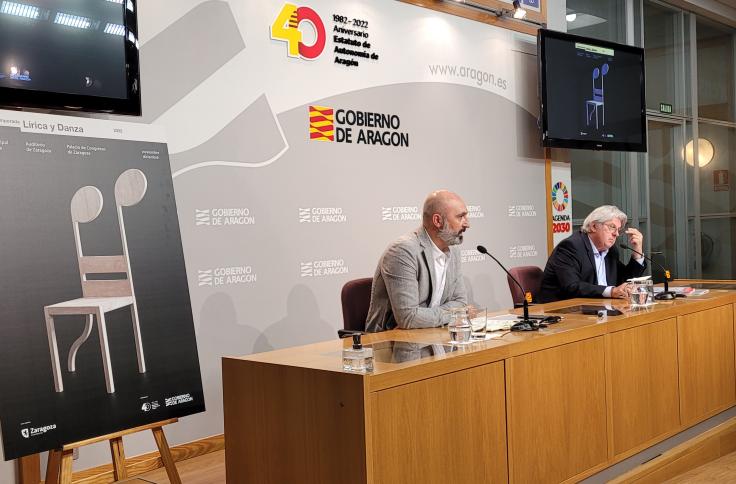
<point>38,267</point>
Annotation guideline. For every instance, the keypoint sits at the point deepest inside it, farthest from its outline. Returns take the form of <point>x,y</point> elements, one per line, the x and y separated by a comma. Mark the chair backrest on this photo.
<point>599,73</point>
<point>530,277</point>
<point>86,206</point>
<point>356,298</point>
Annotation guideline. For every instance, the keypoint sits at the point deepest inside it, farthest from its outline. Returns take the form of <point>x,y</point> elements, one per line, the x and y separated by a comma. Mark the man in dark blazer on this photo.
<point>586,264</point>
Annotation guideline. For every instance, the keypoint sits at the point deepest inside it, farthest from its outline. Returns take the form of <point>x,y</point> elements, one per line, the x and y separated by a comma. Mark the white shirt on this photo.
<point>440,271</point>
<point>599,257</point>
<point>600,267</point>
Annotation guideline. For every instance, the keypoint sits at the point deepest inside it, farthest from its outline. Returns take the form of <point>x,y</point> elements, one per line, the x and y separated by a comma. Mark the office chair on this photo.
<point>530,277</point>
<point>355,297</point>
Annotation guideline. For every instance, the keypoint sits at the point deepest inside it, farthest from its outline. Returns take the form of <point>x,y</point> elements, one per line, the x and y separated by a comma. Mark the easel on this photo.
<point>59,469</point>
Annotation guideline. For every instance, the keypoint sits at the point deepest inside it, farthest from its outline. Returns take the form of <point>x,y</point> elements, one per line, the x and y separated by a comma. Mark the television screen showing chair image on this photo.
<point>591,93</point>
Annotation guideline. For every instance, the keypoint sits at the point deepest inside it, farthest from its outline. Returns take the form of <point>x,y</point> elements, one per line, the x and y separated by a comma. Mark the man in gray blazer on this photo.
<point>419,274</point>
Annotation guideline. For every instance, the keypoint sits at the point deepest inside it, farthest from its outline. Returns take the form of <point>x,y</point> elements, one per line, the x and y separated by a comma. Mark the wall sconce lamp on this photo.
<point>705,152</point>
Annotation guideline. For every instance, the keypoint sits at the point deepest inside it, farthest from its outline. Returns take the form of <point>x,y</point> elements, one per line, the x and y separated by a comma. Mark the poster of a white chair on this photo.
<point>99,296</point>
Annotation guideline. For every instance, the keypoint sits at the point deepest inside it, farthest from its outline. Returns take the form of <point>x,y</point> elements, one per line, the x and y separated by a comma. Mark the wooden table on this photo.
<point>559,404</point>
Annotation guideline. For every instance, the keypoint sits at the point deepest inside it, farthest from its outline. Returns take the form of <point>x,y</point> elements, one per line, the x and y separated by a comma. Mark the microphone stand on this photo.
<point>665,295</point>
<point>524,324</point>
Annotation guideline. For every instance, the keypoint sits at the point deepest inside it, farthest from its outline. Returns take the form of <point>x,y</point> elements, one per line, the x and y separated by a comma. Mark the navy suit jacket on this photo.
<point>570,270</point>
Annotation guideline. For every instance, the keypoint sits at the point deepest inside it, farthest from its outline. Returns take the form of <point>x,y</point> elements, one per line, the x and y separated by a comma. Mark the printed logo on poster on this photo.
<point>400,214</point>
<point>288,27</point>
<point>561,220</point>
<point>322,215</point>
<point>29,432</point>
<point>148,406</point>
<point>356,127</point>
<point>560,196</point>
<point>178,399</point>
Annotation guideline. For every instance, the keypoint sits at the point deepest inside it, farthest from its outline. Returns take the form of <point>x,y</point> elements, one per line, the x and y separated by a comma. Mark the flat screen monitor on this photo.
<point>592,93</point>
<point>70,55</point>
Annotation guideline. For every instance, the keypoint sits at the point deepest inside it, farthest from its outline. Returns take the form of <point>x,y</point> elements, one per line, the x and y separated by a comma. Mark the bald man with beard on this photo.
<point>419,274</point>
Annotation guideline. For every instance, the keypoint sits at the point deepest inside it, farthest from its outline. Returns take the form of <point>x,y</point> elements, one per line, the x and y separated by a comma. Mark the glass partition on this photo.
<point>663,59</point>
<point>715,71</point>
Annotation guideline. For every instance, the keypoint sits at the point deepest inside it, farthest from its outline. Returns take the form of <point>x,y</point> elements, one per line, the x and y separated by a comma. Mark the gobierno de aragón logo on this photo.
<point>356,126</point>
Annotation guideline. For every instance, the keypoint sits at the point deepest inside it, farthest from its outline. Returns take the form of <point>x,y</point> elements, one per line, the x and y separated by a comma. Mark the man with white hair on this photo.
<point>586,264</point>
<point>419,274</point>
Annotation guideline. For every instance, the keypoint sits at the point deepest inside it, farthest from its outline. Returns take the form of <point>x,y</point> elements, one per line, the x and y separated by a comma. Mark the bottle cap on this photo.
<point>356,341</point>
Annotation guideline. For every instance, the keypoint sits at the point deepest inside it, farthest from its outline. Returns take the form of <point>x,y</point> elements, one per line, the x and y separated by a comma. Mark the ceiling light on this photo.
<point>19,9</point>
<point>570,17</point>
<point>72,21</point>
<point>114,29</point>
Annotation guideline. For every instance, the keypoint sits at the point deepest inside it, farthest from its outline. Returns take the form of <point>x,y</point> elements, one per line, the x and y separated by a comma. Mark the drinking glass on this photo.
<point>459,325</point>
<point>642,293</point>
<point>478,322</point>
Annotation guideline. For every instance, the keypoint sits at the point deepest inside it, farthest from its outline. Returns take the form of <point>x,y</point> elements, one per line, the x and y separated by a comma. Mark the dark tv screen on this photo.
<point>70,54</point>
<point>592,93</point>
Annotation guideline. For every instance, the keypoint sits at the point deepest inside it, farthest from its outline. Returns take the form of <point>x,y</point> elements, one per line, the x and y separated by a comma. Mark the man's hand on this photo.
<point>624,290</point>
<point>636,240</point>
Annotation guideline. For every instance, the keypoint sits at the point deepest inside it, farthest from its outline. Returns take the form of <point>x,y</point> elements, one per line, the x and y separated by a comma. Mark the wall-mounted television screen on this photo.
<point>592,93</point>
<point>70,55</point>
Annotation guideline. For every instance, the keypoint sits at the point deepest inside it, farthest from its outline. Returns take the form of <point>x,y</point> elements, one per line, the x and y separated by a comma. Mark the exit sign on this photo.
<point>665,108</point>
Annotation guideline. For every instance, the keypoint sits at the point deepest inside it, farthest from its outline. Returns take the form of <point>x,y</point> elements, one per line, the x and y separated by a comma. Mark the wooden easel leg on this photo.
<point>118,458</point>
<point>53,466</point>
<point>166,457</point>
<point>29,469</point>
<point>67,457</point>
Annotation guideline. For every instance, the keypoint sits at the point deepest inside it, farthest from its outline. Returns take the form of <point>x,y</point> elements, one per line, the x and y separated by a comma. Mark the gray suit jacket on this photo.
<point>403,282</point>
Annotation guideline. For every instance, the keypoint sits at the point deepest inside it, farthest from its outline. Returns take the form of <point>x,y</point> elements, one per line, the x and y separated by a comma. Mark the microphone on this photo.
<point>666,294</point>
<point>524,324</point>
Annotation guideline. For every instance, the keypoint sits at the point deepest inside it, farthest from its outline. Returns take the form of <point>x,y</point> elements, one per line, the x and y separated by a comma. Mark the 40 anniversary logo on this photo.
<point>287,28</point>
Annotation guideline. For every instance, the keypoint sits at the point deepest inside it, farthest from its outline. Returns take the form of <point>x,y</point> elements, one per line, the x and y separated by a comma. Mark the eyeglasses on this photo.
<point>615,230</point>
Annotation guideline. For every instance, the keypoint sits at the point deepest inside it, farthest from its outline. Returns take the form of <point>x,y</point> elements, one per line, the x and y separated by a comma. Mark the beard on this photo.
<point>450,237</point>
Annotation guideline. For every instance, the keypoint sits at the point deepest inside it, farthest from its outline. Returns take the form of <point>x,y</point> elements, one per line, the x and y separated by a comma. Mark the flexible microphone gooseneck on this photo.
<point>524,324</point>
<point>666,295</point>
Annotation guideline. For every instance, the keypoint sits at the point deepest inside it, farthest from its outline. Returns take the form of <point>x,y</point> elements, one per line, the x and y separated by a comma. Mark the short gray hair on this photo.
<point>603,214</point>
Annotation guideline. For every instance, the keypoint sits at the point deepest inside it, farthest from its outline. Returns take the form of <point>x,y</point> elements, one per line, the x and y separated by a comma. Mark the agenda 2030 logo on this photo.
<point>561,221</point>
<point>288,28</point>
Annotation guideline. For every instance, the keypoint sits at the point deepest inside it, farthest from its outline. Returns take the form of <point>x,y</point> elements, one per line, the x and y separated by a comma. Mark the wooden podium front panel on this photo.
<point>644,386</point>
<point>290,424</point>
<point>706,360</point>
<point>557,412</point>
<point>450,428</point>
